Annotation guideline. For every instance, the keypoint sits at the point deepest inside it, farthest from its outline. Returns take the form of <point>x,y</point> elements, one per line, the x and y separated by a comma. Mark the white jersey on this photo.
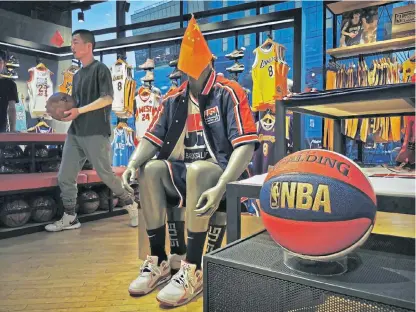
<point>146,107</point>
<point>119,76</point>
<point>40,88</point>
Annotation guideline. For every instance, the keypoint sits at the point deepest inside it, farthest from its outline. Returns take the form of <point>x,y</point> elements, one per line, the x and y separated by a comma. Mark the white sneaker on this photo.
<point>148,77</point>
<point>149,64</point>
<point>175,261</point>
<point>183,287</point>
<point>151,275</point>
<point>67,222</point>
<point>133,213</point>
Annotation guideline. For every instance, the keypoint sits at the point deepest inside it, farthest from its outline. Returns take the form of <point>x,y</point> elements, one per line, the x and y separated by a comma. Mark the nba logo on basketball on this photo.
<point>212,115</point>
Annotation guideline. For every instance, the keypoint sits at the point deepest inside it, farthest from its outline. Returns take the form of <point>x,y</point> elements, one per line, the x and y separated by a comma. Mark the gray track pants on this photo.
<point>77,149</point>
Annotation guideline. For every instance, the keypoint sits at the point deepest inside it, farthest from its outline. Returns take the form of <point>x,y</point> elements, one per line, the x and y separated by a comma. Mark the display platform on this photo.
<point>249,276</point>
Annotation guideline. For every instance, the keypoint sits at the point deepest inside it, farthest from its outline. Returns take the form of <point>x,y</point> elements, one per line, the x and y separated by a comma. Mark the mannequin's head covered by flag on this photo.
<point>194,55</point>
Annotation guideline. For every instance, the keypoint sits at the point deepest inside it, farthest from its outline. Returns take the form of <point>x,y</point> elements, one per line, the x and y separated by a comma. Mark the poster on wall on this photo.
<point>359,27</point>
<point>403,21</point>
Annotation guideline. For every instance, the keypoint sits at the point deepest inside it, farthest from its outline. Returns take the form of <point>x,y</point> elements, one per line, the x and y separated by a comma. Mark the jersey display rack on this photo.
<point>40,88</point>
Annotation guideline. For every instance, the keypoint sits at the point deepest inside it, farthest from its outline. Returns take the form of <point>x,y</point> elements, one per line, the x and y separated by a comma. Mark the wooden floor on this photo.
<point>90,269</point>
<point>82,270</point>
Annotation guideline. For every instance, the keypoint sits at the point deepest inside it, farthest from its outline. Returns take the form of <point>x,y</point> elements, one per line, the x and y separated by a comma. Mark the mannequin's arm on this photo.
<point>143,153</point>
<point>210,199</point>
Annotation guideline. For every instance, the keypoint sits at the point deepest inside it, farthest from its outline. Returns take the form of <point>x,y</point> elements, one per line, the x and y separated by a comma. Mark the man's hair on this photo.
<point>2,55</point>
<point>86,36</point>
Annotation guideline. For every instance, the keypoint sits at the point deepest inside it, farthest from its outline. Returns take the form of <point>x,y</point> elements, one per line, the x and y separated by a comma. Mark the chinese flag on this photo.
<point>195,54</point>
<point>57,39</point>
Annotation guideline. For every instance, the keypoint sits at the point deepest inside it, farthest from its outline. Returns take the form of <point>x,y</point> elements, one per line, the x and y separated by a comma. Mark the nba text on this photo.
<point>297,195</point>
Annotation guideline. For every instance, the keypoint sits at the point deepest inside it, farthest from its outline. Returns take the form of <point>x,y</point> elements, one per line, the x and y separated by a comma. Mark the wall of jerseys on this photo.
<point>381,137</point>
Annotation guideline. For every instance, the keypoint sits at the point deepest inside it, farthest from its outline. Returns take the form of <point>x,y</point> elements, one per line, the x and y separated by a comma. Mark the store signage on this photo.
<point>403,21</point>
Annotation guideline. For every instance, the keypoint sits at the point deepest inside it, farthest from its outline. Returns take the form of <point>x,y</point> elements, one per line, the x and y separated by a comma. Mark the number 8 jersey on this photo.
<point>264,73</point>
<point>40,88</point>
<point>123,87</point>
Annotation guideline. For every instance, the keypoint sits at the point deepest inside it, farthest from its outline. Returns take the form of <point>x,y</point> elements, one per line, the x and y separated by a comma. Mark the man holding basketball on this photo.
<point>89,133</point>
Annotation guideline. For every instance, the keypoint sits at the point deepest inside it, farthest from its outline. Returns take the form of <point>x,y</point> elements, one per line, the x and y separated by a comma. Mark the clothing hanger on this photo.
<point>268,43</point>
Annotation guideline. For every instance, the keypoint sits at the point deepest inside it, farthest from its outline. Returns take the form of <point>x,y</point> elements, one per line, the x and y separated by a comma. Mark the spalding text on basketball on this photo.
<point>297,195</point>
<point>340,166</point>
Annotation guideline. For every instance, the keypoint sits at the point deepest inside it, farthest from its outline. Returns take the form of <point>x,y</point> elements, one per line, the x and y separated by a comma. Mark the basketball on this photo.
<point>58,103</point>
<point>318,204</point>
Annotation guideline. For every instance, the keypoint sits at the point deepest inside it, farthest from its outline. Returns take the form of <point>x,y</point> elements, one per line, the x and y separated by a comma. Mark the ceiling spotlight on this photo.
<point>81,17</point>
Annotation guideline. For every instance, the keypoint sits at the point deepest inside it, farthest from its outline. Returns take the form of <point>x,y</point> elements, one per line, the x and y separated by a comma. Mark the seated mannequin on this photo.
<point>205,135</point>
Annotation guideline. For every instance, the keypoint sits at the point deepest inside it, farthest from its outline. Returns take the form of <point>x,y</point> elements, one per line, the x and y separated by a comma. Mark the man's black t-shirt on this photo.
<point>8,92</point>
<point>89,84</point>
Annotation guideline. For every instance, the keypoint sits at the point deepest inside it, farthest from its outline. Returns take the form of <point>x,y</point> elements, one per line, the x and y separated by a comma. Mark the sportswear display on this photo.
<point>12,61</point>
<point>149,64</point>
<point>21,125</point>
<point>68,76</point>
<point>40,88</point>
<point>124,87</point>
<point>122,144</point>
<point>147,102</point>
<point>269,74</point>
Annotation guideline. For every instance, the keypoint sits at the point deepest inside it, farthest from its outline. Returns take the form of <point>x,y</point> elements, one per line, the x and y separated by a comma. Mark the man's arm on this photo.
<point>11,111</point>
<point>97,104</point>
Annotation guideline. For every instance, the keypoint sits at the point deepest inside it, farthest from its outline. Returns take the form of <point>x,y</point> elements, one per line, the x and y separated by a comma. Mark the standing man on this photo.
<point>89,133</point>
<point>8,98</point>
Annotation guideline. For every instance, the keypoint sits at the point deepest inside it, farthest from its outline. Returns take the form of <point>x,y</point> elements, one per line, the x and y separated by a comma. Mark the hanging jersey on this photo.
<point>66,85</point>
<point>129,145</point>
<point>119,146</point>
<point>21,125</point>
<point>146,107</point>
<point>124,88</point>
<point>263,74</point>
<point>408,69</point>
<point>40,88</point>
<point>266,133</point>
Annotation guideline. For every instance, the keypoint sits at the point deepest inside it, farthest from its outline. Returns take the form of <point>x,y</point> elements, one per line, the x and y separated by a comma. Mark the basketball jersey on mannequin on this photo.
<point>40,88</point>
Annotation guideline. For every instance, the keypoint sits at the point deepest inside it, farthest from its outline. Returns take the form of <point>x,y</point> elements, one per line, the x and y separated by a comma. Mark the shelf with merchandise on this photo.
<point>339,7</point>
<point>391,45</point>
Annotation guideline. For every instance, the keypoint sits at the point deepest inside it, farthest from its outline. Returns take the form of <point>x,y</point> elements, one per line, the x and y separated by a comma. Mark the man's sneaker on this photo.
<point>175,261</point>
<point>12,61</point>
<point>173,63</point>
<point>67,222</point>
<point>133,211</point>
<point>183,287</point>
<point>149,77</point>
<point>236,54</point>
<point>236,68</point>
<point>151,275</point>
<point>149,64</point>
<point>10,73</point>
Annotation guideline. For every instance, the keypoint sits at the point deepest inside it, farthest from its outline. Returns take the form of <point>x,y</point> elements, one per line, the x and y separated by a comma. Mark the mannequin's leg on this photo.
<point>154,186</point>
<point>201,176</point>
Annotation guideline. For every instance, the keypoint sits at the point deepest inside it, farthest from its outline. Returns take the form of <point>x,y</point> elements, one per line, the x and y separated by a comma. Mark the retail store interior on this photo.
<point>289,184</point>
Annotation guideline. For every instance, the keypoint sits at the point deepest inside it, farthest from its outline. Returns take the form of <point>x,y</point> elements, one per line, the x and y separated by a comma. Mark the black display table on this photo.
<point>249,275</point>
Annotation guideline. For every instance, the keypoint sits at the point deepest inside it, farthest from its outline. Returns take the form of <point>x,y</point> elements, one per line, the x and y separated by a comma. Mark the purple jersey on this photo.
<point>265,131</point>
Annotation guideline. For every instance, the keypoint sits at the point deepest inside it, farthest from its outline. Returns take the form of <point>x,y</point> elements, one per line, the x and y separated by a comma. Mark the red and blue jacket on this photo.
<point>225,114</point>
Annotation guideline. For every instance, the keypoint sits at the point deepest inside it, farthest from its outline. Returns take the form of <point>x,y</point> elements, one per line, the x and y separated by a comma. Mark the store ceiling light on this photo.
<point>81,17</point>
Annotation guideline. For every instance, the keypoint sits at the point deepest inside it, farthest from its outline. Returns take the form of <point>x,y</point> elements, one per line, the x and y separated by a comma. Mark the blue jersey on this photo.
<point>20,118</point>
<point>119,146</point>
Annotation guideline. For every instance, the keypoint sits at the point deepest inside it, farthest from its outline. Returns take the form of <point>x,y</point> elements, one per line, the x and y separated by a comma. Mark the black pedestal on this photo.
<point>249,276</point>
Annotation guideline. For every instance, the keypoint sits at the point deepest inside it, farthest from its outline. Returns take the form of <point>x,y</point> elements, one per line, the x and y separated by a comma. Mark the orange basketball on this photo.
<point>318,204</point>
<point>58,103</point>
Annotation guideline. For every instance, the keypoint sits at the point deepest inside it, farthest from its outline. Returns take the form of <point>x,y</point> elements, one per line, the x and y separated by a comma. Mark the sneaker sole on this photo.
<point>171,305</point>
<point>72,227</point>
<point>142,293</point>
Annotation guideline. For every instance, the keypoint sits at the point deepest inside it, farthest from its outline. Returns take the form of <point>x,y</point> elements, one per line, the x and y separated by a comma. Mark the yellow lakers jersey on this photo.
<point>66,85</point>
<point>264,71</point>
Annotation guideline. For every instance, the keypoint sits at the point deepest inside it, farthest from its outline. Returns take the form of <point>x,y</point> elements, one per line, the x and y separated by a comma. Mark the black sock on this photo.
<point>177,237</point>
<point>196,241</point>
<point>157,243</point>
<point>215,237</point>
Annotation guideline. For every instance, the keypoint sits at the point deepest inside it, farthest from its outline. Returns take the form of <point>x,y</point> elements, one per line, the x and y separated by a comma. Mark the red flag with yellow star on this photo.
<point>195,54</point>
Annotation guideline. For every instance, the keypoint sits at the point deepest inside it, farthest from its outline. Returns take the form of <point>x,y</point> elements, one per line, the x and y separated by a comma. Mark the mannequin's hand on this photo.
<point>127,177</point>
<point>209,201</point>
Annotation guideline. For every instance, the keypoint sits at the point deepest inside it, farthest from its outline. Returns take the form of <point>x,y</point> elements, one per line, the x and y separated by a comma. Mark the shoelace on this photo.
<point>149,267</point>
<point>184,279</point>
